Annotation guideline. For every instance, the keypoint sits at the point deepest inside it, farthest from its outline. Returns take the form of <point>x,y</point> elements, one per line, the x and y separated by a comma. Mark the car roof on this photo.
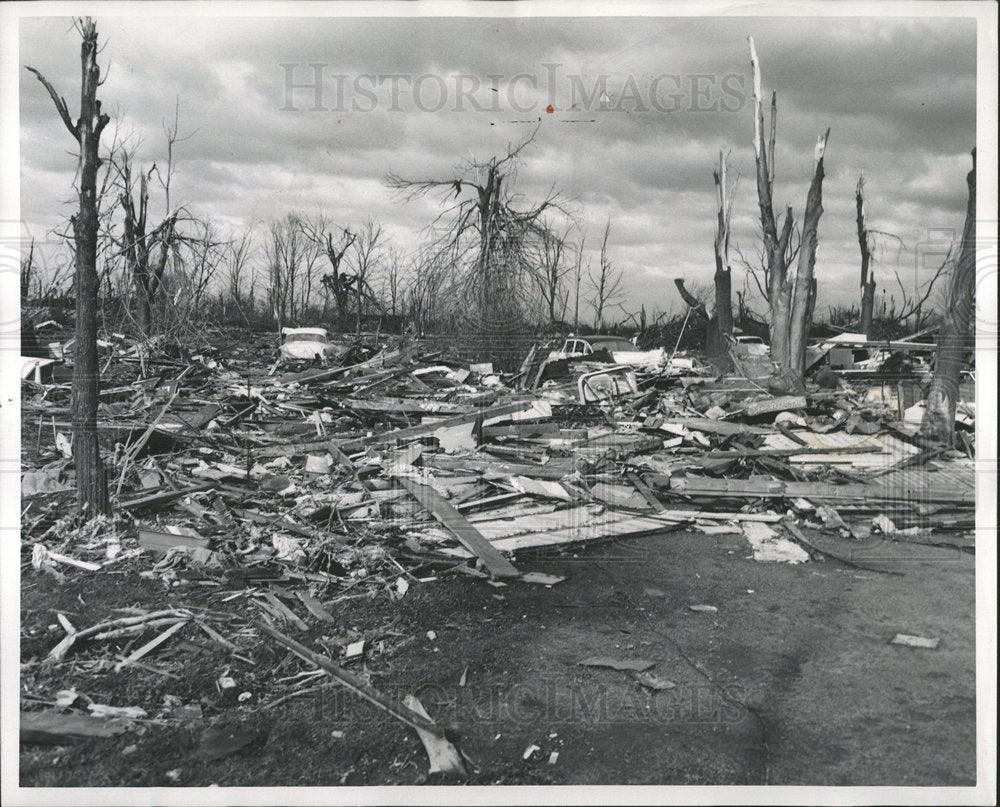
<point>307,331</point>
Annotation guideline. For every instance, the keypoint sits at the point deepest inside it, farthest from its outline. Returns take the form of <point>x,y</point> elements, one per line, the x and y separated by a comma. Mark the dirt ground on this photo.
<point>792,681</point>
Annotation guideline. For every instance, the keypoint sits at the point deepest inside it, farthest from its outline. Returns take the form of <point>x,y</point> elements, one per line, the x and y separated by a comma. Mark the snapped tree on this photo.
<point>91,481</point>
<point>791,289</point>
<point>954,335</point>
<point>867,275</point>
<point>721,324</point>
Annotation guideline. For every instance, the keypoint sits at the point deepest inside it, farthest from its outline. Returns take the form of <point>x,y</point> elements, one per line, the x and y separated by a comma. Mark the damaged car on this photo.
<point>308,344</point>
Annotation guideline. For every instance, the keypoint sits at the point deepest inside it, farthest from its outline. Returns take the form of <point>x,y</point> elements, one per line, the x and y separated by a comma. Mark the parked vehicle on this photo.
<point>307,344</point>
<point>619,349</point>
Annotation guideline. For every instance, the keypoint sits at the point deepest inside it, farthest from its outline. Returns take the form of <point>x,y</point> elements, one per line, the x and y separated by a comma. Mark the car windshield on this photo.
<point>305,337</point>
<point>612,344</point>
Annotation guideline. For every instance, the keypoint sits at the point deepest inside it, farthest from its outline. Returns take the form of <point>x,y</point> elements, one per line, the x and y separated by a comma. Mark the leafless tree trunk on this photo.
<point>954,338</point>
<point>552,269</point>
<point>606,285</point>
<point>867,275</point>
<point>577,278</point>
<point>721,326</point>
<point>367,255</point>
<point>91,481</point>
<point>27,273</point>
<point>791,291</point>
<point>337,283</point>
<point>145,266</point>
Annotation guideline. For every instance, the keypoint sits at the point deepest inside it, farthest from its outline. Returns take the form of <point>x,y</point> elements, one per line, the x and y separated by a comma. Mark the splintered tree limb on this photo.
<point>354,684</point>
<point>689,299</point>
<point>60,103</point>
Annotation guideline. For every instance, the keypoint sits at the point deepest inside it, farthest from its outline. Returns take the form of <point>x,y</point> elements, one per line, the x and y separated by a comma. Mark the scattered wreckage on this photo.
<point>391,467</point>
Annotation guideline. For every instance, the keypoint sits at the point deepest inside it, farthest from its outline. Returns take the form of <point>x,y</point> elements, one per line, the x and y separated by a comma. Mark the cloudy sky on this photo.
<point>640,110</point>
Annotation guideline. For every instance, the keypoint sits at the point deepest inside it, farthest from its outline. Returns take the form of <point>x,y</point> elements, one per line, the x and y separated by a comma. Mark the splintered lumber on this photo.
<point>424,726</point>
<point>54,728</point>
<point>314,606</point>
<point>718,426</point>
<point>151,645</point>
<point>419,406</point>
<point>779,404</point>
<point>554,469</point>
<point>645,491</point>
<point>109,629</point>
<point>826,491</point>
<point>468,535</point>
<point>427,429</point>
<point>162,497</point>
<point>444,757</point>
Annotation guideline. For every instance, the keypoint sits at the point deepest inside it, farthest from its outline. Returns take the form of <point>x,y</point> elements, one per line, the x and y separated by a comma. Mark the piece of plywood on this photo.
<point>455,522</point>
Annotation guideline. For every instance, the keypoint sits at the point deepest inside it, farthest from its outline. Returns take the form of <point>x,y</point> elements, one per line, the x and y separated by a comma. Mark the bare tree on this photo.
<point>721,327</point>
<point>488,233</point>
<point>552,268</point>
<point>392,281</point>
<point>338,283</point>
<point>577,280</point>
<point>291,256</point>
<point>28,273</point>
<point>204,254</point>
<point>366,259</point>
<point>792,289</point>
<point>867,275</point>
<point>239,279</point>
<point>605,283</point>
<point>146,253</point>
<point>954,336</point>
<point>91,481</point>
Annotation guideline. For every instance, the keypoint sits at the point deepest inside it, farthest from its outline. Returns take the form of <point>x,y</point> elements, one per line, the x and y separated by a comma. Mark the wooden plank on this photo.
<point>314,606</point>
<point>579,530</point>
<point>468,535</point>
<point>645,491</point>
<point>419,406</point>
<point>775,488</point>
<point>286,612</point>
<point>162,497</point>
<point>779,404</point>
<point>427,429</point>
<point>353,683</point>
<point>54,728</point>
<point>554,469</point>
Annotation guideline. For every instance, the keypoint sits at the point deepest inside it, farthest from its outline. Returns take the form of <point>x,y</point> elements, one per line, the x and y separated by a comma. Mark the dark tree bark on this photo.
<point>954,337</point>
<point>337,282</point>
<point>867,275</point>
<point>146,269</point>
<point>722,329</point>
<point>91,481</point>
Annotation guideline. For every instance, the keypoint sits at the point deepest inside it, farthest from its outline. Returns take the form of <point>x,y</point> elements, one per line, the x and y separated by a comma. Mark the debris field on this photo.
<point>262,508</point>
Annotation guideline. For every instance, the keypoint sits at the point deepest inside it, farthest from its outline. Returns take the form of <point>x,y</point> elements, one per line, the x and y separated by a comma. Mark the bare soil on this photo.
<point>792,681</point>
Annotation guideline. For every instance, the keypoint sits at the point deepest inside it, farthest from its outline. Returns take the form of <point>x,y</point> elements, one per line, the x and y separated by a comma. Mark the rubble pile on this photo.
<point>293,488</point>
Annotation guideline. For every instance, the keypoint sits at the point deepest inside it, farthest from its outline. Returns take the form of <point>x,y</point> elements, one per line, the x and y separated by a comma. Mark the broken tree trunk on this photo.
<point>722,326</point>
<point>803,280</point>
<point>867,275</point>
<point>954,337</point>
<point>791,295</point>
<point>91,481</point>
